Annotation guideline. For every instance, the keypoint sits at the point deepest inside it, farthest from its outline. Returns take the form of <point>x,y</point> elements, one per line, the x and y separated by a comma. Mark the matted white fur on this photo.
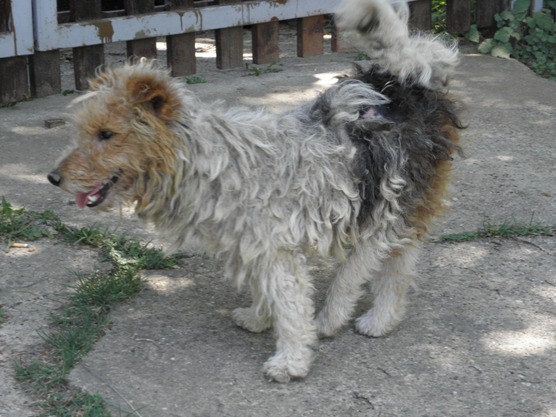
<point>380,30</point>
<point>263,191</point>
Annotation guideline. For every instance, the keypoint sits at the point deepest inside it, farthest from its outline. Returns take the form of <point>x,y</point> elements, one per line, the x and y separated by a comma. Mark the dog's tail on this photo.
<point>379,28</point>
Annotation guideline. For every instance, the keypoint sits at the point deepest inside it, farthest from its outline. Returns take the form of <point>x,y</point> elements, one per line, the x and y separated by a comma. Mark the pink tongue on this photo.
<point>81,199</point>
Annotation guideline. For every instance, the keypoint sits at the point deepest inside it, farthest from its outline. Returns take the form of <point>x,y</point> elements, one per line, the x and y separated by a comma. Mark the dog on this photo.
<point>355,175</point>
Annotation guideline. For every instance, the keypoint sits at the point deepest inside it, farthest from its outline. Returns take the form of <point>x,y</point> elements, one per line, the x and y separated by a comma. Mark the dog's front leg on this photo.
<point>255,318</point>
<point>288,290</point>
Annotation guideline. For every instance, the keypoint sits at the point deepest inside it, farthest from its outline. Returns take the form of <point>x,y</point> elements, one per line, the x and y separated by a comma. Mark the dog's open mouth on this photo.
<point>97,195</point>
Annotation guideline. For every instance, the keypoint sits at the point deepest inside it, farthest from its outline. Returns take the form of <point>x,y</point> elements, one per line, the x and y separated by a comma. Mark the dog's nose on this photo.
<point>55,178</point>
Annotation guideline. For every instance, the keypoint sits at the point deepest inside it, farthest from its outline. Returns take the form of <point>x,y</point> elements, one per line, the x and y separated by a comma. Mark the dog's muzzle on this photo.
<point>92,198</point>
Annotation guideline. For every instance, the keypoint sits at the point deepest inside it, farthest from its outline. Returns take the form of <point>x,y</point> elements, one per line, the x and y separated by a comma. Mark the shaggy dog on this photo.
<point>356,174</point>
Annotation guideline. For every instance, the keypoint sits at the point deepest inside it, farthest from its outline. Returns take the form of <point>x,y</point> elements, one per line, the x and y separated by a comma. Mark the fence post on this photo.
<point>181,48</point>
<point>140,47</point>
<point>229,44</point>
<point>486,9</point>
<point>45,73</point>
<point>86,58</point>
<point>265,37</point>
<point>310,31</point>
<point>458,16</point>
<point>14,84</point>
<point>421,14</point>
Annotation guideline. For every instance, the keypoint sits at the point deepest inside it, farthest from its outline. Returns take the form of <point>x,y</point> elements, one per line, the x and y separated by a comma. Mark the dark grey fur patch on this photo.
<point>369,23</point>
<point>410,141</point>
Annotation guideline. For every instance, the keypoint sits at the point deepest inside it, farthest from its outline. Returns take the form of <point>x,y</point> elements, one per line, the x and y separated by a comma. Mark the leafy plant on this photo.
<point>439,15</point>
<point>257,71</point>
<point>195,79</point>
<point>531,39</point>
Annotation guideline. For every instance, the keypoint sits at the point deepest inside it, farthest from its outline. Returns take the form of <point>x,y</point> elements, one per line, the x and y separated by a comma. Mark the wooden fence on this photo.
<point>33,32</point>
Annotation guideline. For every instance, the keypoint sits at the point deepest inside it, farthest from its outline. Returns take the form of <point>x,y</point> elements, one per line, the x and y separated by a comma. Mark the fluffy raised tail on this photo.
<point>379,28</point>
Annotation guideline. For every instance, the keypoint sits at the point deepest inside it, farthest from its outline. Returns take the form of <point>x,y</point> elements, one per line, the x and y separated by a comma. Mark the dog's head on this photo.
<point>123,136</point>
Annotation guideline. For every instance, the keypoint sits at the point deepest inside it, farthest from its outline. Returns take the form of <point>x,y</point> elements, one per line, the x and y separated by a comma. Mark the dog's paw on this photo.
<point>281,368</point>
<point>373,325</point>
<point>248,319</point>
<point>324,326</point>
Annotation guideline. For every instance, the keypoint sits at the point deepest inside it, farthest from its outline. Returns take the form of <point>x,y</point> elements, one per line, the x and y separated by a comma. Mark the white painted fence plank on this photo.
<point>50,35</point>
<point>19,42</point>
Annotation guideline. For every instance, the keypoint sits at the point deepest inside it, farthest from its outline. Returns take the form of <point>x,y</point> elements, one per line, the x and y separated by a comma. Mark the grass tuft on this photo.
<point>19,224</point>
<point>504,230</point>
<point>83,319</point>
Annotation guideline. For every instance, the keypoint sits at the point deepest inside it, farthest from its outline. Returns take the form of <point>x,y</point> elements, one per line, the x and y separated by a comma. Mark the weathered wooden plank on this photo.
<point>144,46</point>
<point>421,14</point>
<point>266,48</point>
<point>229,43</point>
<point>44,73</point>
<point>310,31</point>
<point>458,16</point>
<point>86,59</point>
<point>181,48</point>
<point>14,82</point>
<point>16,28</point>
<point>168,22</point>
<point>486,9</point>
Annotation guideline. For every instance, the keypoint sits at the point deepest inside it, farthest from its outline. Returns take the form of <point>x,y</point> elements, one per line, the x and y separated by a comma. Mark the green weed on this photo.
<point>505,230</point>
<point>529,38</point>
<point>195,79</point>
<point>19,224</point>
<point>257,71</point>
<point>82,321</point>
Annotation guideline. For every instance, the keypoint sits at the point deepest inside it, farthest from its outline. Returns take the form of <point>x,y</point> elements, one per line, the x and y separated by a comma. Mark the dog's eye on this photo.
<point>105,134</point>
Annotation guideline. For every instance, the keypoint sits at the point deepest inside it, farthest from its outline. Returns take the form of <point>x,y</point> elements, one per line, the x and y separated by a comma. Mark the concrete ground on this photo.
<point>479,338</point>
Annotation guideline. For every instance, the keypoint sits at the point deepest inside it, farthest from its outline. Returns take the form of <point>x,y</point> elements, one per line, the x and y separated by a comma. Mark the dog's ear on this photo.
<point>153,95</point>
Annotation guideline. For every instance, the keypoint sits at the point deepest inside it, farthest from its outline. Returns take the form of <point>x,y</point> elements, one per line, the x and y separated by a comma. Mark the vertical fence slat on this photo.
<point>486,9</point>
<point>14,82</point>
<point>266,49</point>
<point>458,16</point>
<point>421,14</point>
<point>86,58</point>
<point>181,48</point>
<point>45,73</point>
<point>310,31</point>
<point>140,47</point>
<point>229,44</point>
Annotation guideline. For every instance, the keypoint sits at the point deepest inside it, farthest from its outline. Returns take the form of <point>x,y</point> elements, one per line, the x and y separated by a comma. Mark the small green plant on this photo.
<point>19,224</point>
<point>531,39</point>
<point>257,71</point>
<point>439,15</point>
<point>361,57</point>
<point>68,91</point>
<point>504,230</point>
<point>195,79</point>
<point>75,328</point>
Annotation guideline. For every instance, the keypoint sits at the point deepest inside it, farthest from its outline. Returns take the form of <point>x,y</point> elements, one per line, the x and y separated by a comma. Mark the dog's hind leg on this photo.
<point>288,290</point>
<point>389,288</point>
<point>347,287</point>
